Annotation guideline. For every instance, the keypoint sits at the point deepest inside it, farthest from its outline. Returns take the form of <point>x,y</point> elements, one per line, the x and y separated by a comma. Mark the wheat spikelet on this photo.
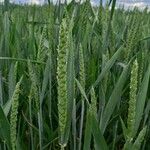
<point>15,70</point>
<point>82,67</point>
<point>31,93</point>
<point>86,14</point>
<point>13,116</point>
<point>42,50</point>
<point>93,103</point>
<point>12,78</point>
<point>62,75</point>
<point>34,85</point>
<point>132,38</point>
<point>100,20</point>
<point>105,19</point>
<point>141,67</point>
<point>132,100</point>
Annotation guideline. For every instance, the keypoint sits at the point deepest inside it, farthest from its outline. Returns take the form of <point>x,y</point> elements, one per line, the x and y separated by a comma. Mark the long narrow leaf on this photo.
<point>114,99</point>
<point>100,142</point>
<point>108,66</point>
<point>4,128</point>
<point>141,99</point>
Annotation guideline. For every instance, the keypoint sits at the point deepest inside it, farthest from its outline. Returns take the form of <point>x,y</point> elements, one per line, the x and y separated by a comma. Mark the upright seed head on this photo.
<point>62,75</point>
<point>13,116</point>
<point>132,100</point>
<point>82,67</point>
<point>42,50</point>
<point>132,38</point>
<point>34,85</point>
<point>93,102</point>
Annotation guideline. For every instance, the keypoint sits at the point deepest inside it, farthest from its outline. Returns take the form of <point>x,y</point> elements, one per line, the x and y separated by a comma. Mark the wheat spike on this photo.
<point>93,103</point>
<point>13,116</point>
<point>82,67</point>
<point>62,75</point>
<point>132,38</point>
<point>141,67</point>
<point>34,86</point>
<point>100,20</point>
<point>132,100</point>
<point>42,50</point>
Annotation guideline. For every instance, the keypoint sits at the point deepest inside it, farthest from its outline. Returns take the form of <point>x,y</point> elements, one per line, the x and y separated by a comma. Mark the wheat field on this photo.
<point>74,77</point>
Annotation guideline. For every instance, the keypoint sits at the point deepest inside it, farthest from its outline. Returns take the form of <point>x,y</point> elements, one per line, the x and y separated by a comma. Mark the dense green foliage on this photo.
<point>74,77</point>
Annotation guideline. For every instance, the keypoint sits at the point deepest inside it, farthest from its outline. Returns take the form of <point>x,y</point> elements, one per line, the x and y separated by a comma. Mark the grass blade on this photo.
<point>100,142</point>
<point>141,99</point>
<point>113,100</point>
<point>4,128</point>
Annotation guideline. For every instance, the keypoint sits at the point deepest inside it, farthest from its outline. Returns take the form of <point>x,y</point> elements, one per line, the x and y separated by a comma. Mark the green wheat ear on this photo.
<point>100,20</point>
<point>85,15</point>
<point>132,100</point>
<point>13,115</point>
<point>141,66</point>
<point>82,81</point>
<point>82,67</point>
<point>62,75</point>
<point>42,50</point>
<point>34,91</point>
<point>93,102</point>
<point>15,70</point>
<point>132,38</point>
